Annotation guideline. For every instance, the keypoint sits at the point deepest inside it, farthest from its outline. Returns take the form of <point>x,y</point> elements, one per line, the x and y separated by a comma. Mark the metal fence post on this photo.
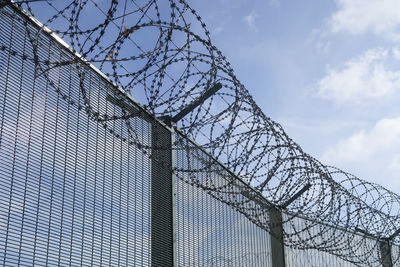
<point>386,253</point>
<point>163,204</point>
<point>277,245</point>
<point>276,226</point>
<point>163,236</point>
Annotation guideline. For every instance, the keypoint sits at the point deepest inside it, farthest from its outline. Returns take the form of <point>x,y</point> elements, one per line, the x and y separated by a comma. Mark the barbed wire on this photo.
<point>161,53</point>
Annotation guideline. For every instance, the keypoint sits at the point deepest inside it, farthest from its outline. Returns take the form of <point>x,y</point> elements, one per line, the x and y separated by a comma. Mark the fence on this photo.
<point>90,178</point>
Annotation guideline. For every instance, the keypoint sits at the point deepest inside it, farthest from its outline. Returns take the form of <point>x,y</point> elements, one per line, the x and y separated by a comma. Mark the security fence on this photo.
<point>88,177</point>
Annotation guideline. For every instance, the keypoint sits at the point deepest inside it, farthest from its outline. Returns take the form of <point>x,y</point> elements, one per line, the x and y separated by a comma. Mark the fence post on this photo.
<point>276,226</point>
<point>277,245</point>
<point>386,253</point>
<point>163,236</point>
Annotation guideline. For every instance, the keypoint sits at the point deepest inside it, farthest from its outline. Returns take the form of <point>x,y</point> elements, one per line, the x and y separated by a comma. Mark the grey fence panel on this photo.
<point>313,257</point>
<point>211,232</point>
<point>304,230</point>
<point>71,192</point>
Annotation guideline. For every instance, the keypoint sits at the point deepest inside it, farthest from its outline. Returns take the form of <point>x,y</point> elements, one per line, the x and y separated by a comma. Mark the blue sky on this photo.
<point>328,71</point>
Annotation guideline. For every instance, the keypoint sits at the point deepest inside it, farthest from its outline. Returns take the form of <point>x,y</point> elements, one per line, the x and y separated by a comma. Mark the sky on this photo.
<point>328,71</point>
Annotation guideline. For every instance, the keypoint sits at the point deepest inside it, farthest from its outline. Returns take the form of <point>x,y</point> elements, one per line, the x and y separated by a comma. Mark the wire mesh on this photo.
<point>211,232</point>
<point>326,256</point>
<point>71,192</point>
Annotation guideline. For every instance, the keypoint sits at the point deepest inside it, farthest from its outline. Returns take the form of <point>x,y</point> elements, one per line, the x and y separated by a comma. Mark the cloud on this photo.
<point>383,138</point>
<point>395,162</point>
<point>362,78</point>
<point>250,21</point>
<point>274,3</point>
<point>359,16</point>
<point>218,29</point>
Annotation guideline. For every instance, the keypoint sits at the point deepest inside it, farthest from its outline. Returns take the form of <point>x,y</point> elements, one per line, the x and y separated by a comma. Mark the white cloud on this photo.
<point>362,78</point>
<point>396,53</point>
<point>384,138</point>
<point>395,162</point>
<point>274,3</point>
<point>251,21</point>
<point>359,16</point>
<point>218,29</point>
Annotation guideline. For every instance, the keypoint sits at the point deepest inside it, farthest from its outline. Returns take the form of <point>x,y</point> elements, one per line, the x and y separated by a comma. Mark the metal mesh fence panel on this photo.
<point>71,192</point>
<point>320,256</point>
<point>211,232</point>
